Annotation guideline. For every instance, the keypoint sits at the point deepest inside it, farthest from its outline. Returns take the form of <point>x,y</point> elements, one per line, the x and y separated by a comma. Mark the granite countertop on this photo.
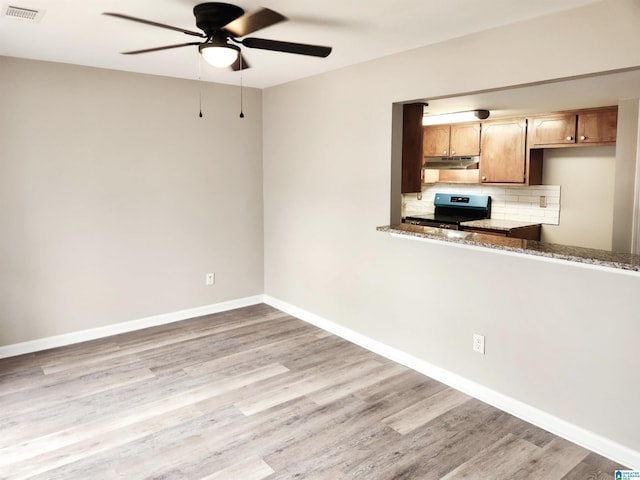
<point>498,224</point>
<point>589,256</point>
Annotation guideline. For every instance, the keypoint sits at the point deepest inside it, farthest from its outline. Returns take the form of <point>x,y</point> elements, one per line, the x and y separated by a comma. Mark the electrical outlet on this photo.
<point>543,201</point>
<point>210,279</point>
<point>478,343</point>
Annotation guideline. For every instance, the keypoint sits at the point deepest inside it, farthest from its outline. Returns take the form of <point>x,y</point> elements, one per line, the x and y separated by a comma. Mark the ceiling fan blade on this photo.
<point>155,49</point>
<point>253,21</point>
<point>155,24</point>
<point>235,66</point>
<point>288,47</point>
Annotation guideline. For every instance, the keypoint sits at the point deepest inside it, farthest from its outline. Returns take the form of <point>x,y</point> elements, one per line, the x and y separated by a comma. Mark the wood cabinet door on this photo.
<point>554,130</point>
<point>435,141</point>
<point>465,139</point>
<point>412,148</point>
<point>598,126</point>
<point>502,153</point>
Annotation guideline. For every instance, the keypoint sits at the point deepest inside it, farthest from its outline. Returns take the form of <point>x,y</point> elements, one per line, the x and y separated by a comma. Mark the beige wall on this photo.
<point>560,337</point>
<point>587,176</point>
<point>116,199</point>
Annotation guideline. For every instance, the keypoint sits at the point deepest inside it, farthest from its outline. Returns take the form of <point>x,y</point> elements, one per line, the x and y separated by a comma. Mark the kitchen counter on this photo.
<point>588,256</point>
<point>507,228</point>
<point>498,224</point>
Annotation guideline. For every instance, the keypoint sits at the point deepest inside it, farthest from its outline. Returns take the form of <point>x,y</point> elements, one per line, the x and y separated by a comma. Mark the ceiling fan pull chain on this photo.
<point>241,112</point>
<point>200,83</point>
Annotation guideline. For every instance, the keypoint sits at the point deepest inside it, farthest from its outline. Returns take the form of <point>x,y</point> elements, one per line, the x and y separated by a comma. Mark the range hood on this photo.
<point>451,163</point>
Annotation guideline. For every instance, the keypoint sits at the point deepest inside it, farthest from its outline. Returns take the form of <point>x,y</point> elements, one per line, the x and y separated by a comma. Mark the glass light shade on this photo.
<point>220,55</point>
<point>470,116</point>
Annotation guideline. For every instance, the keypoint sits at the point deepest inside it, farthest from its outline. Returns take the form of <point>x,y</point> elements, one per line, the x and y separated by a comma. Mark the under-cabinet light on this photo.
<point>470,116</point>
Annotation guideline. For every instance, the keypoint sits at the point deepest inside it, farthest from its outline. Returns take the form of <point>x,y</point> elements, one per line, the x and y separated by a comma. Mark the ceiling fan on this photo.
<point>222,25</point>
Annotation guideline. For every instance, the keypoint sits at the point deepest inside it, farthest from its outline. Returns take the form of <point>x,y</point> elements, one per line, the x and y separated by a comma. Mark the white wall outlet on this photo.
<point>543,201</point>
<point>211,279</point>
<point>478,343</point>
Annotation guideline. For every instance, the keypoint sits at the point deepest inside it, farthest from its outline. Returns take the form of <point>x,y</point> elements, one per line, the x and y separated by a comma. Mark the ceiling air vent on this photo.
<point>24,14</point>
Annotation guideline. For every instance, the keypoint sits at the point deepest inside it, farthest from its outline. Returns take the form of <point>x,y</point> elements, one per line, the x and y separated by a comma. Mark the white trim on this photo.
<point>555,425</point>
<point>635,229</point>
<point>129,326</point>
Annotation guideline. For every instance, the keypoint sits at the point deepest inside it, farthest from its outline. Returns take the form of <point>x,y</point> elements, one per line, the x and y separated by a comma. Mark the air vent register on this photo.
<point>23,14</point>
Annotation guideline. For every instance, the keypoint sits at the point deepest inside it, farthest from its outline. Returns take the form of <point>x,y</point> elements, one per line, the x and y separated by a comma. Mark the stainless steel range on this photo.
<point>452,209</point>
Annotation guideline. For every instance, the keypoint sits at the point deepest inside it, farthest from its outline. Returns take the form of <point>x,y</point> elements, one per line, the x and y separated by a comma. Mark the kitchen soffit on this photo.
<point>597,90</point>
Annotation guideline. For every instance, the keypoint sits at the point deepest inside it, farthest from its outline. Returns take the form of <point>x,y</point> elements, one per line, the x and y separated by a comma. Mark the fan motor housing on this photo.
<point>212,16</point>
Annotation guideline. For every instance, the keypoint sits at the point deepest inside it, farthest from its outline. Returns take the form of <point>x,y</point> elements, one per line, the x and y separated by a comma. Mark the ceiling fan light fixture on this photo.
<point>221,25</point>
<point>469,116</point>
<point>219,54</point>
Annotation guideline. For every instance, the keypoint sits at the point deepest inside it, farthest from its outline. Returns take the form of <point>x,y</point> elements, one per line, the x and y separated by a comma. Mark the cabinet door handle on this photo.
<point>484,178</point>
<point>453,152</point>
<point>444,152</point>
<point>583,137</point>
<point>569,138</point>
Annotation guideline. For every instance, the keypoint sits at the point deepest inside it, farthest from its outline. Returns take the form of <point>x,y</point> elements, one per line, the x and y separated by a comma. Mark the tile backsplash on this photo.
<point>507,203</point>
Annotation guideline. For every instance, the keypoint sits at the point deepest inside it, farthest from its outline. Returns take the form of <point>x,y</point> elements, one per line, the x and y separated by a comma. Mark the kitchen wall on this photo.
<point>552,340</point>
<point>116,198</point>
<point>587,176</point>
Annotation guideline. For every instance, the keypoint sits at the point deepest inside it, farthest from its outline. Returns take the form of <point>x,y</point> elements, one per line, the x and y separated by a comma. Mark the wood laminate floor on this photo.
<point>257,394</point>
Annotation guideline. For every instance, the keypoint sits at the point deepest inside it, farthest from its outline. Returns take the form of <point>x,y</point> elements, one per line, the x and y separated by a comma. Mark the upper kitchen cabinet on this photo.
<point>558,129</point>
<point>596,126</point>
<point>435,141</point>
<point>412,148</point>
<point>456,140</point>
<point>503,154</point>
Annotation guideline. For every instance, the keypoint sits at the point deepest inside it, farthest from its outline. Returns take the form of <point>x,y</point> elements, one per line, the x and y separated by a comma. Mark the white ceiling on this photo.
<point>75,32</point>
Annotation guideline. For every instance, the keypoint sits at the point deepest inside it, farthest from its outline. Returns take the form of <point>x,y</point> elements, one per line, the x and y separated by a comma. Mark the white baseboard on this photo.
<point>108,330</point>
<point>587,439</point>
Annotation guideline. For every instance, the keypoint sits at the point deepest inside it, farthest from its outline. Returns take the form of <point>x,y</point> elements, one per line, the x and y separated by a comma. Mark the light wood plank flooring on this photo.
<point>256,394</point>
